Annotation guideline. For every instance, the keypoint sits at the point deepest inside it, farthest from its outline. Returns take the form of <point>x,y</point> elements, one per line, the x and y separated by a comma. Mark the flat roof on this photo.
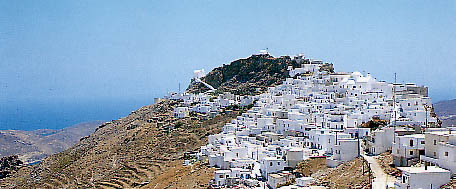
<point>305,178</point>
<point>271,158</point>
<point>413,135</point>
<point>223,171</point>
<point>444,133</point>
<point>430,169</point>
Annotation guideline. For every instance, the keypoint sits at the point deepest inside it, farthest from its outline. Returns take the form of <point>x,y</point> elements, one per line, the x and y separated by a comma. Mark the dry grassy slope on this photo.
<point>129,152</point>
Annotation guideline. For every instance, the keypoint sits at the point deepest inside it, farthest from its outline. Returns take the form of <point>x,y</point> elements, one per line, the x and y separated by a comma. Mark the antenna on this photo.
<point>179,87</point>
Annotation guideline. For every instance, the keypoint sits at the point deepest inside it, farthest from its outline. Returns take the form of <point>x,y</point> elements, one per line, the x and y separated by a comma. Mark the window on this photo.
<point>422,142</point>
<point>435,154</point>
<point>221,176</point>
<point>411,142</point>
<point>435,142</point>
<point>270,164</point>
<point>411,152</point>
<point>446,153</point>
<point>278,163</point>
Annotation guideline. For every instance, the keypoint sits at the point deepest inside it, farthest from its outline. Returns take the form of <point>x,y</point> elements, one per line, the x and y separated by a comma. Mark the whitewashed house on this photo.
<point>441,149</point>
<point>407,149</point>
<point>180,112</point>
<point>422,177</point>
<point>295,155</point>
<point>271,165</point>
<point>220,177</point>
<point>345,150</point>
<point>380,141</point>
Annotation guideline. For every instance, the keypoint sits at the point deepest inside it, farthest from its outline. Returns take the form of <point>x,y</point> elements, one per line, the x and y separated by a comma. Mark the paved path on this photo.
<point>381,179</point>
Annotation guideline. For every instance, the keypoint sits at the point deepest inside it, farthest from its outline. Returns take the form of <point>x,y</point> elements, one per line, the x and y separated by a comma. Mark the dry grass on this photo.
<point>386,162</point>
<point>311,166</point>
<point>179,176</point>
<point>347,175</point>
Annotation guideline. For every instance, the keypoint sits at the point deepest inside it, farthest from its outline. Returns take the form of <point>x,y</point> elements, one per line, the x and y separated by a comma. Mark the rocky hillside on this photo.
<point>446,111</point>
<point>247,76</point>
<point>35,145</point>
<point>8,165</point>
<point>129,152</point>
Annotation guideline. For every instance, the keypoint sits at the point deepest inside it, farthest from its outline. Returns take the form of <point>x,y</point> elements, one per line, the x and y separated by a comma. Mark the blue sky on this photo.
<point>142,49</point>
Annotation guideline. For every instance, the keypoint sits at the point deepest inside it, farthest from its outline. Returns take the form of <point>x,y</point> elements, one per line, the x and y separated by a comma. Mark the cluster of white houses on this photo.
<point>316,113</point>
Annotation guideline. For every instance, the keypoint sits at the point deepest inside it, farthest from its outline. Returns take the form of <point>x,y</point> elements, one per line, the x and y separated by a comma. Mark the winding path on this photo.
<point>381,179</point>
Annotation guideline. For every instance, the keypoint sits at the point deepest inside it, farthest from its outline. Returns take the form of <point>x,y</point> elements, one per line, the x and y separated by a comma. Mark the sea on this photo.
<point>32,114</point>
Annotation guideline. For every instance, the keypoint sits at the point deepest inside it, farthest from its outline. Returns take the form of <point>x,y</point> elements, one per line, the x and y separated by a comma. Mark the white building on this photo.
<point>199,74</point>
<point>304,181</point>
<point>380,141</point>
<point>441,149</point>
<point>221,176</point>
<point>294,156</point>
<point>275,179</point>
<point>422,177</point>
<point>407,149</point>
<point>180,112</point>
<point>271,165</point>
<point>345,150</point>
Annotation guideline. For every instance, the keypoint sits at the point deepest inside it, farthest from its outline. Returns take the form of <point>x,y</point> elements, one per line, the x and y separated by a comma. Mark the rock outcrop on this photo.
<point>247,76</point>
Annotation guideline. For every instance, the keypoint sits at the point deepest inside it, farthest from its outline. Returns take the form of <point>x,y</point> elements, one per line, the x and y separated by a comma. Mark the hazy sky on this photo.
<point>139,49</point>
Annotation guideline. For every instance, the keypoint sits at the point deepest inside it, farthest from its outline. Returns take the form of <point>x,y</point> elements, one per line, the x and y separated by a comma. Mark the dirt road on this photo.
<point>381,180</point>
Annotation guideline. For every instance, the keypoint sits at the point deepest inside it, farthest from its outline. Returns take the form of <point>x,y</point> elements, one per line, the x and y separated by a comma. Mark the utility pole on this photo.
<point>363,166</point>
<point>357,133</point>
<point>257,153</point>
<point>426,108</point>
<point>336,138</point>
<point>394,107</point>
